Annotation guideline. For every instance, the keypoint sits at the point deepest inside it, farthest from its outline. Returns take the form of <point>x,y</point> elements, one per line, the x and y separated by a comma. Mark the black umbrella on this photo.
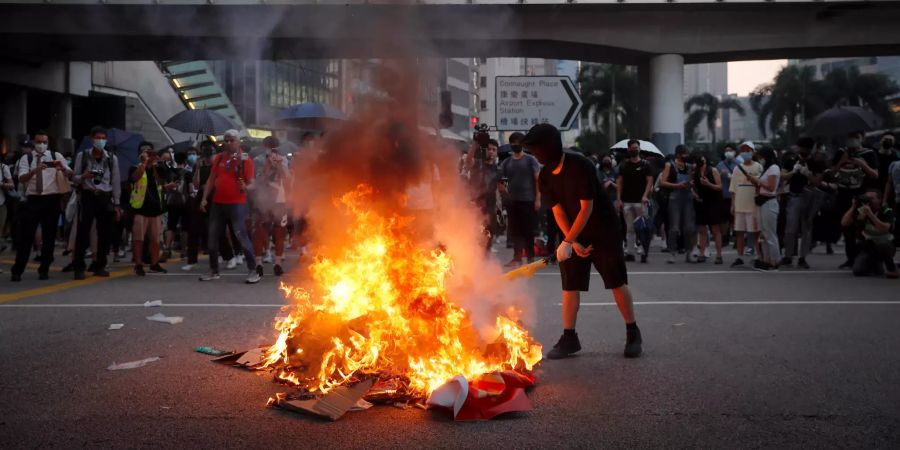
<point>841,120</point>
<point>200,121</point>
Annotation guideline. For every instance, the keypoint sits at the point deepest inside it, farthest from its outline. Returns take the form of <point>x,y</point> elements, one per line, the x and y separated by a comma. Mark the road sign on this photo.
<point>523,102</point>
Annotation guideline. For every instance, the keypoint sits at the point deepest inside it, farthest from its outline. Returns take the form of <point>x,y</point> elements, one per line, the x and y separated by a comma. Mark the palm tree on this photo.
<point>848,87</point>
<point>794,97</point>
<point>610,95</point>
<point>707,107</point>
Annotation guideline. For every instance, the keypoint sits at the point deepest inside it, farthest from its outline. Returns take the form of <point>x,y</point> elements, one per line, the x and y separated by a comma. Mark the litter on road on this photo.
<point>132,364</point>
<point>160,317</point>
<point>212,351</point>
<point>152,303</point>
<point>116,326</point>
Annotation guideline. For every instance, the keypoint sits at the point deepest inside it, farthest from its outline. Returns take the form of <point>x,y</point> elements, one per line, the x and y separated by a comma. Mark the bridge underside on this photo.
<point>622,33</point>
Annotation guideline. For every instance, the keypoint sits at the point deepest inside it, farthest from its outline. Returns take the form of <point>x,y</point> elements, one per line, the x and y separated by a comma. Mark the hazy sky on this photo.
<point>743,76</point>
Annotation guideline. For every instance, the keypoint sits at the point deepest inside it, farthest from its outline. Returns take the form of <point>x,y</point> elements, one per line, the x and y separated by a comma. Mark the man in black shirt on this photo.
<point>801,171</point>
<point>569,185</point>
<point>633,188</point>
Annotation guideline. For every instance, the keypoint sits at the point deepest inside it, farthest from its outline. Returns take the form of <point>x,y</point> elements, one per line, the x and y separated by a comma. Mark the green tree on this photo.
<point>707,107</point>
<point>593,142</point>
<point>848,87</point>
<point>793,97</point>
<point>610,95</point>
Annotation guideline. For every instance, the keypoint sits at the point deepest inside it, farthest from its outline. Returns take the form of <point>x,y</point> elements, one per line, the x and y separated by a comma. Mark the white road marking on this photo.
<point>719,272</point>
<point>755,302</point>
<point>272,305</point>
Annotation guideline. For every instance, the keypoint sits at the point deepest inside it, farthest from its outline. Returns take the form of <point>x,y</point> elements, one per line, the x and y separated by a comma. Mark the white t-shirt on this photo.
<point>775,171</point>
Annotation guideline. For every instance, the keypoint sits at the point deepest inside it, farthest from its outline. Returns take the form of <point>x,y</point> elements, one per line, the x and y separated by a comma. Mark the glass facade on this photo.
<point>259,90</point>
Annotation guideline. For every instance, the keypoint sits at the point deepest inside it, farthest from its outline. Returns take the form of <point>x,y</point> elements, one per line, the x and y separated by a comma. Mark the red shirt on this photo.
<point>228,171</point>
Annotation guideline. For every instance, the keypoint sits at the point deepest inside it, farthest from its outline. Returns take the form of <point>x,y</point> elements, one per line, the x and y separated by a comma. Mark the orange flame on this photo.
<point>379,306</point>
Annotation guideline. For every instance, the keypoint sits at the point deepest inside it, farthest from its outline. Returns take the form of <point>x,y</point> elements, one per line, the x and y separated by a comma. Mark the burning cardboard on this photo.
<point>331,406</point>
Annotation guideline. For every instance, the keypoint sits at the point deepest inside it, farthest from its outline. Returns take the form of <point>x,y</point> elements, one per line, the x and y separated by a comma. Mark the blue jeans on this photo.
<point>235,216</point>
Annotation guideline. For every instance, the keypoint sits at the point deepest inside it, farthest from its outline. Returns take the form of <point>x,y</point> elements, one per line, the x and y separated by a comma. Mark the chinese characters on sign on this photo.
<point>522,102</point>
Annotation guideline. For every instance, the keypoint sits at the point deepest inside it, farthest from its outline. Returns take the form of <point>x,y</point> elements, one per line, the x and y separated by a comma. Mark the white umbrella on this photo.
<point>646,146</point>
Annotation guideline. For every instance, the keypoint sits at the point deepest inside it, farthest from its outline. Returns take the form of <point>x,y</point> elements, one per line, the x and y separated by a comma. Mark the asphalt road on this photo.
<point>732,359</point>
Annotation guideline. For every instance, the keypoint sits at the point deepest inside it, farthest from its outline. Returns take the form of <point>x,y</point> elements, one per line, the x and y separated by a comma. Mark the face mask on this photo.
<point>729,156</point>
<point>40,148</point>
<point>853,143</point>
<point>887,144</point>
<point>100,143</point>
<point>192,159</point>
<point>748,156</point>
<point>633,153</point>
<point>516,148</point>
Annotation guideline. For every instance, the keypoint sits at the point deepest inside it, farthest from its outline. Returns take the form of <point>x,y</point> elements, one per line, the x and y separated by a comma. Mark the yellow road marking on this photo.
<point>6,298</point>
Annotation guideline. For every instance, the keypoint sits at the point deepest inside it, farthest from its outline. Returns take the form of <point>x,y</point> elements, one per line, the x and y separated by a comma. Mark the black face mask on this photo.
<point>633,153</point>
<point>516,148</point>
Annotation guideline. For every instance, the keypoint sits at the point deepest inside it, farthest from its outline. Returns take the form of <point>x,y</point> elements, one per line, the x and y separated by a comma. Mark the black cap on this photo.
<point>27,144</point>
<point>545,136</point>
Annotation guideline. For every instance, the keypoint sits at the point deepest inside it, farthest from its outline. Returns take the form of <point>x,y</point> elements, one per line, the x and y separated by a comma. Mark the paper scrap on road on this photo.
<point>153,303</point>
<point>678,324</point>
<point>116,326</point>
<point>160,317</point>
<point>132,364</point>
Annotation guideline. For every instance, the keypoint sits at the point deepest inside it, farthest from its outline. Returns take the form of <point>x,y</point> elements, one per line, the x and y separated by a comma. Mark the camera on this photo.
<point>481,135</point>
<point>98,174</point>
<point>483,138</point>
<point>862,200</point>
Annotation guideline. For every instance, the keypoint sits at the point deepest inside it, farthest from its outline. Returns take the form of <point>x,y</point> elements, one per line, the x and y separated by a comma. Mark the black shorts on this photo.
<point>608,259</point>
<point>176,217</point>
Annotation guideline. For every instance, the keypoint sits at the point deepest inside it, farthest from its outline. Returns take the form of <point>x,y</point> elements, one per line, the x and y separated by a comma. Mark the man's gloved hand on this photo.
<point>564,251</point>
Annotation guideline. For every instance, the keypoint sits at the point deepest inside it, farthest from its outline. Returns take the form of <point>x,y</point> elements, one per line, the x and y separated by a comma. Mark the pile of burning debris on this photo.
<point>374,324</point>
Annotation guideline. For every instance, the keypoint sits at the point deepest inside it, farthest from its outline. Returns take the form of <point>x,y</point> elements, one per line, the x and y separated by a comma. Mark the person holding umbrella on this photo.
<point>590,225</point>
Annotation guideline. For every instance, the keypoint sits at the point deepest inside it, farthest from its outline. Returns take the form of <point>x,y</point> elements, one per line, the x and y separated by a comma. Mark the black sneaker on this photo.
<point>737,262</point>
<point>43,275</point>
<point>16,277</point>
<point>762,266</point>
<point>801,264</point>
<point>565,347</point>
<point>139,270</point>
<point>156,268</point>
<point>278,270</point>
<point>633,343</point>
<point>629,257</point>
<point>787,261</point>
<point>101,273</point>
<point>846,265</point>
<point>643,259</point>
<point>68,267</point>
<point>79,275</point>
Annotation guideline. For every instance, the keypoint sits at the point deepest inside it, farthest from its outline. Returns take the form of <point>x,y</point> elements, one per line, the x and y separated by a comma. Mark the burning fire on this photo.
<point>378,306</point>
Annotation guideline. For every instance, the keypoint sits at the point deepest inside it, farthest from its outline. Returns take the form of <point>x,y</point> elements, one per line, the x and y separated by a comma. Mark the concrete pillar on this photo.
<point>667,101</point>
<point>13,117</point>
<point>61,123</point>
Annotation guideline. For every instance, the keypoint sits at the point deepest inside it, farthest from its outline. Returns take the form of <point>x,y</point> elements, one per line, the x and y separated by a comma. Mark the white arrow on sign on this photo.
<point>522,102</point>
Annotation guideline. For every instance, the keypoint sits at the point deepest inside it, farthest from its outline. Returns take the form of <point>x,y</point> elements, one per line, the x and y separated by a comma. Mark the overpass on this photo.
<point>658,36</point>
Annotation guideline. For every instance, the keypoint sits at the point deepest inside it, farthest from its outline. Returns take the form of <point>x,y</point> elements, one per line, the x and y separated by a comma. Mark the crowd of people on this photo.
<point>212,198</point>
<point>215,198</point>
<point>773,205</point>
